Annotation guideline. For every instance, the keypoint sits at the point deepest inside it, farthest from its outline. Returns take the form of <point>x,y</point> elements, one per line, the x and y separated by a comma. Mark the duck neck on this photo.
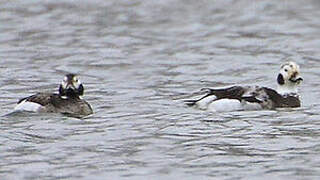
<point>287,89</point>
<point>68,94</point>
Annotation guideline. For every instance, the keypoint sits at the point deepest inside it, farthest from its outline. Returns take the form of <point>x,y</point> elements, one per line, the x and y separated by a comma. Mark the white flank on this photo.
<point>224,105</point>
<point>28,106</point>
<point>203,103</point>
<point>251,106</point>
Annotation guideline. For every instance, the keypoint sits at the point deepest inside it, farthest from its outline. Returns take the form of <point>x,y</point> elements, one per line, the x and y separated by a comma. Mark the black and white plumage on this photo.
<point>67,101</point>
<point>254,97</point>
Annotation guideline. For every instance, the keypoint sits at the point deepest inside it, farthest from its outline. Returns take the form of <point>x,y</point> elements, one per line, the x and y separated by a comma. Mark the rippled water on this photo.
<point>137,59</point>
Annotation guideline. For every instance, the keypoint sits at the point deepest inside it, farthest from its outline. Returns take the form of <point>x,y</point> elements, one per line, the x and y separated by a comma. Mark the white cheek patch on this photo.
<point>64,84</point>
<point>28,106</point>
<point>78,84</point>
<point>286,74</point>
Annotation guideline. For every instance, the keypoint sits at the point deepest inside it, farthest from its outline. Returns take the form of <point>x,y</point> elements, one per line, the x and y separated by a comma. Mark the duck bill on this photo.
<point>70,86</point>
<point>296,80</point>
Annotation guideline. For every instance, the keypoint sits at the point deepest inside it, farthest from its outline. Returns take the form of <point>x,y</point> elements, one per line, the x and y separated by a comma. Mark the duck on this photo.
<point>237,98</point>
<point>67,101</point>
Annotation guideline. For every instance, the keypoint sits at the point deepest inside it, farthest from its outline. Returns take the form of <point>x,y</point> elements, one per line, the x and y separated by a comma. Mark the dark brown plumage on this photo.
<point>68,100</point>
<point>54,103</point>
<point>266,97</point>
<point>255,97</point>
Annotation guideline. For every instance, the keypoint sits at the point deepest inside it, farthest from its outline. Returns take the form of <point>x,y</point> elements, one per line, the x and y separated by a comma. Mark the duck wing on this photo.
<point>39,98</point>
<point>283,101</point>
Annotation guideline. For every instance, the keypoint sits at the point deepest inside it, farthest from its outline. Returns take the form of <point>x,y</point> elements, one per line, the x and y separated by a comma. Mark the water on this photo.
<point>137,59</point>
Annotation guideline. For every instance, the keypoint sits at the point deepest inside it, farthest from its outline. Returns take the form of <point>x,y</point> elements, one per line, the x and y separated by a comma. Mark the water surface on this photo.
<point>137,59</point>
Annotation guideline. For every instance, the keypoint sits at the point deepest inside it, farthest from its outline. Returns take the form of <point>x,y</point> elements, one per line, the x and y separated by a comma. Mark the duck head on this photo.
<point>289,78</point>
<point>71,86</point>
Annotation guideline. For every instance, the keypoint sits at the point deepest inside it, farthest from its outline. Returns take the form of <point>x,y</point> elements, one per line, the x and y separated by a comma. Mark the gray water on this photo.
<point>138,60</point>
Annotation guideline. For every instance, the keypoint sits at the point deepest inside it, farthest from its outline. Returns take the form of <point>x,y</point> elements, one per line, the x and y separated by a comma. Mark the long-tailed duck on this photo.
<point>67,101</point>
<point>254,97</point>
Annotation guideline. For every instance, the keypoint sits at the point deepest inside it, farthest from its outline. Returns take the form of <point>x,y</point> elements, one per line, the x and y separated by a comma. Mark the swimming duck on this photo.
<point>254,97</point>
<point>67,101</point>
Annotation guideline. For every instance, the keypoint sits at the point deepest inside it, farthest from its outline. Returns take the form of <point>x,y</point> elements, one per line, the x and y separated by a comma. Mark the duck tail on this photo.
<point>190,102</point>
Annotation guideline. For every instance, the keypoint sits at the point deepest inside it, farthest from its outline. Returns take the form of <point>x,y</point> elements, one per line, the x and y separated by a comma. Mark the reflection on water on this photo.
<point>135,60</point>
